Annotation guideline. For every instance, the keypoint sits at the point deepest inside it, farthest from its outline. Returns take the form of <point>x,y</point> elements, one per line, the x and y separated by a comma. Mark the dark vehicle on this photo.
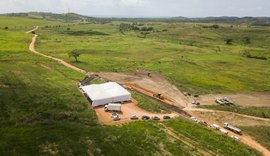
<point>166,117</point>
<point>203,123</point>
<point>115,116</point>
<point>145,117</point>
<point>134,117</point>
<point>155,118</point>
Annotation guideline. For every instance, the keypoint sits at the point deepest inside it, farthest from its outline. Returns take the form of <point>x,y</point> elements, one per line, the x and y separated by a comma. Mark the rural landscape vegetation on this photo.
<point>43,111</point>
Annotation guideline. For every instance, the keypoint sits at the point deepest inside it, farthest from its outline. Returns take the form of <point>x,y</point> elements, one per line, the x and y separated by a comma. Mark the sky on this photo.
<point>142,8</point>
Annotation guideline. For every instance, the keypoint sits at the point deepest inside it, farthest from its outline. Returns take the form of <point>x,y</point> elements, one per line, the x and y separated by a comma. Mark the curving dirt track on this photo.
<point>34,29</point>
<point>223,116</point>
<point>32,49</point>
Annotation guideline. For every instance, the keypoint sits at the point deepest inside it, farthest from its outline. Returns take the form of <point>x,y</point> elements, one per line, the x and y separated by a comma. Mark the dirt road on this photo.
<point>32,49</point>
<point>220,117</point>
<point>34,29</point>
<point>223,116</point>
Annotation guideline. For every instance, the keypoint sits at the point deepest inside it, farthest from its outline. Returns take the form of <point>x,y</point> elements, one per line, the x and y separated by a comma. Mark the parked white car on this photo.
<point>193,119</point>
<point>215,126</point>
<point>235,137</point>
<point>223,131</point>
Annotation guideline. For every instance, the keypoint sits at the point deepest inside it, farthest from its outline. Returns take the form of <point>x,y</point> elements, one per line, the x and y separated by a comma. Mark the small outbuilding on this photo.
<point>101,94</point>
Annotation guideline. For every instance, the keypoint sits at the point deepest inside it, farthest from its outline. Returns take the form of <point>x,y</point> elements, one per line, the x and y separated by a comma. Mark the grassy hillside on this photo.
<point>260,133</point>
<point>195,58</point>
<point>43,113</point>
<point>149,104</point>
<point>65,17</point>
<point>23,24</point>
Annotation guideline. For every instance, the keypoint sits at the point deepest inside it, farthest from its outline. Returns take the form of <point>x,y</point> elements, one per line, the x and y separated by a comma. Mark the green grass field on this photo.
<point>263,112</point>
<point>43,112</point>
<point>149,104</point>
<point>260,133</point>
<point>195,59</point>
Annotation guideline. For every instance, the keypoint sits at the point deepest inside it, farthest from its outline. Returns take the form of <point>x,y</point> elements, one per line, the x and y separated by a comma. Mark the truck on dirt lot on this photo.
<point>223,131</point>
<point>215,126</point>
<point>225,101</point>
<point>232,128</point>
<point>115,117</point>
<point>113,107</point>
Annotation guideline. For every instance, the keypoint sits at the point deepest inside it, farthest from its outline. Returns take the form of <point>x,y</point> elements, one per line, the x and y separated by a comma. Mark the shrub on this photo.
<point>215,26</point>
<point>229,41</point>
<point>246,40</point>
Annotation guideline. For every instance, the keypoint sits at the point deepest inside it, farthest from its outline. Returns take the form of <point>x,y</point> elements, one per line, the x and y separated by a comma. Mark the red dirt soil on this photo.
<point>128,109</point>
<point>153,84</point>
<point>251,99</point>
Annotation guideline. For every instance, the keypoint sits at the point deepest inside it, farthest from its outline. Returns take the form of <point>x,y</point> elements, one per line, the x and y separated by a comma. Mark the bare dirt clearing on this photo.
<point>252,99</point>
<point>151,84</point>
<point>128,109</point>
<point>221,117</point>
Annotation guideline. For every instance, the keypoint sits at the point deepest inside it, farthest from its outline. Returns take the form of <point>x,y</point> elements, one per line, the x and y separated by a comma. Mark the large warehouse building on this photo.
<point>101,94</point>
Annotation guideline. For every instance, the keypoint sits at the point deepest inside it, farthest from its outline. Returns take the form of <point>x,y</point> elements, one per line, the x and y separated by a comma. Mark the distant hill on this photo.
<point>73,17</point>
<point>68,17</point>
<point>249,20</point>
<point>259,21</point>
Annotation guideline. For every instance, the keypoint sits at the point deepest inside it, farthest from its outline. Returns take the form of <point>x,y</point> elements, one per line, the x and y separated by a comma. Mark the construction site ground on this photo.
<point>220,117</point>
<point>251,99</point>
<point>128,109</point>
<point>149,85</point>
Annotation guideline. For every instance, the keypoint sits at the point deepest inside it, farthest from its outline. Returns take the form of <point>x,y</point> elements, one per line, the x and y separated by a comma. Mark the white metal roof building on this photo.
<point>101,94</point>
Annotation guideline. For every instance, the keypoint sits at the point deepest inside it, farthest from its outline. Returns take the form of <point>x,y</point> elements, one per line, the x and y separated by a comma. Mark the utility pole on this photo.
<point>67,15</point>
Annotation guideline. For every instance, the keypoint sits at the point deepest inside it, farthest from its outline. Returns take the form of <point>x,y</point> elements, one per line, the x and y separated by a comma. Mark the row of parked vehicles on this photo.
<point>116,117</point>
<point>223,130</point>
<point>224,101</point>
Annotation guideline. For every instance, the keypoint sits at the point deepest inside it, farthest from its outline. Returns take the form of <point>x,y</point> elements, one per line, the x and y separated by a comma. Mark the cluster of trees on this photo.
<point>147,29</point>
<point>248,55</point>
<point>133,27</point>
<point>229,41</point>
<point>214,26</point>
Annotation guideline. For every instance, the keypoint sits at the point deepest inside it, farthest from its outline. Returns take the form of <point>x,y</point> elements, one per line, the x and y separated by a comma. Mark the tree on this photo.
<point>6,28</point>
<point>74,54</point>
<point>215,26</point>
<point>229,41</point>
<point>247,40</point>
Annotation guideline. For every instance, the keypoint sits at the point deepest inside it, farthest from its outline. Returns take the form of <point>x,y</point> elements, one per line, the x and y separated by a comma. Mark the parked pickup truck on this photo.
<point>232,128</point>
<point>113,107</point>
